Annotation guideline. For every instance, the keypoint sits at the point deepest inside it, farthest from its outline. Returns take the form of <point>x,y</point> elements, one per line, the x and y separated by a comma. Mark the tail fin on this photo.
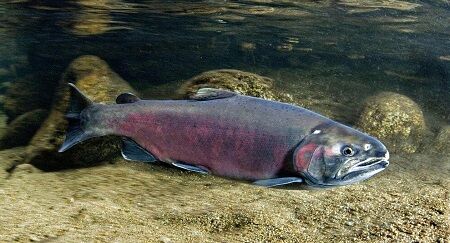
<point>75,133</point>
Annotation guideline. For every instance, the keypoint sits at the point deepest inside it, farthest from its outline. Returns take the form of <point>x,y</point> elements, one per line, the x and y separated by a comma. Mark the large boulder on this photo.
<point>235,80</point>
<point>93,77</point>
<point>395,119</point>
<point>442,141</point>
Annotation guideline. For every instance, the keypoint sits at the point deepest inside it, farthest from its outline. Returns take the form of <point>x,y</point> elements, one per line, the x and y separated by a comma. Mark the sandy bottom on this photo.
<point>133,202</point>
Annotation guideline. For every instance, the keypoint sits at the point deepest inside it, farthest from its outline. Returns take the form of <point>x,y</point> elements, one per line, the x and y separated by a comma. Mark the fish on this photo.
<point>223,133</point>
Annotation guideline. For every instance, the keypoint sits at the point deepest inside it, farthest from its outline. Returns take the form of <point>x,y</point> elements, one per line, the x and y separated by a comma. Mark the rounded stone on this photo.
<point>26,168</point>
<point>234,80</point>
<point>442,141</point>
<point>395,119</point>
<point>97,81</point>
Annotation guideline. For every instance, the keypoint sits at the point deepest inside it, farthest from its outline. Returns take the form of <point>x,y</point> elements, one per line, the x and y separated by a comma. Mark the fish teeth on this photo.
<point>365,164</point>
<point>345,167</point>
<point>355,165</point>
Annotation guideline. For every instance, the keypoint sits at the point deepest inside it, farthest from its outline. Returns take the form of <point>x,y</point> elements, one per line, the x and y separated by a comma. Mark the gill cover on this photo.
<point>308,150</point>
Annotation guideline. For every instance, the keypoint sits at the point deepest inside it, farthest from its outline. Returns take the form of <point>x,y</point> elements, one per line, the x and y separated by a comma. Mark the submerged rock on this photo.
<point>395,119</point>
<point>8,159</point>
<point>442,141</point>
<point>21,129</point>
<point>25,169</point>
<point>235,80</point>
<point>94,77</point>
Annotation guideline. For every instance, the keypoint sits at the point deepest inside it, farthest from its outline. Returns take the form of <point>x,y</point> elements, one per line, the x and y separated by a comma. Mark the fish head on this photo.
<point>337,155</point>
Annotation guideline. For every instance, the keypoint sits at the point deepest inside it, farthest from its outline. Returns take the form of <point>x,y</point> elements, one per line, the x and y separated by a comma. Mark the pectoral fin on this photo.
<point>278,181</point>
<point>133,151</point>
<point>193,168</point>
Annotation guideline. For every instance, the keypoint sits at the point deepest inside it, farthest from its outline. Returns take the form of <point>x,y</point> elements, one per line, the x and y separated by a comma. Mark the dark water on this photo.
<point>342,51</point>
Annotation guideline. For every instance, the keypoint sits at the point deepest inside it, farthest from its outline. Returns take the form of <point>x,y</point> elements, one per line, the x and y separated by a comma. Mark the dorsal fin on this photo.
<point>126,98</point>
<point>78,100</point>
<point>212,94</point>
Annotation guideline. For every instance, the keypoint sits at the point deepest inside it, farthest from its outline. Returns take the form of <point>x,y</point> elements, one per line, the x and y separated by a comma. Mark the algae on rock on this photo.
<point>395,119</point>
<point>93,77</point>
<point>235,80</point>
<point>442,142</point>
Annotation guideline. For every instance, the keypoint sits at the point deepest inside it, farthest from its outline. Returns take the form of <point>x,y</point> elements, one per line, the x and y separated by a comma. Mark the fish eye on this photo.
<point>348,151</point>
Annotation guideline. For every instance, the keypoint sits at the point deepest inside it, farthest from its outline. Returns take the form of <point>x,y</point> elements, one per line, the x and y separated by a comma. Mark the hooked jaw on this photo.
<point>342,156</point>
<point>351,171</point>
<point>355,170</point>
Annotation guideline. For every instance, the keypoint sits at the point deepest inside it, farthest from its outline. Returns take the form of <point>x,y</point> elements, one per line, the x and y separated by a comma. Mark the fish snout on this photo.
<point>382,154</point>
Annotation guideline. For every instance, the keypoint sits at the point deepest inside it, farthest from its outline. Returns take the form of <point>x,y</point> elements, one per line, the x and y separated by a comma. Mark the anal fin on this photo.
<point>192,168</point>
<point>278,181</point>
<point>133,151</point>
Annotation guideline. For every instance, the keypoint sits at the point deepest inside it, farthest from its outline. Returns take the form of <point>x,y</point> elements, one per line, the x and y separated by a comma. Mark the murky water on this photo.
<point>394,45</point>
<point>328,56</point>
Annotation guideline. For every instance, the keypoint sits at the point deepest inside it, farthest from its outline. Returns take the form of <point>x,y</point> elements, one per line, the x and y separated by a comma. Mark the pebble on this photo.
<point>165,239</point>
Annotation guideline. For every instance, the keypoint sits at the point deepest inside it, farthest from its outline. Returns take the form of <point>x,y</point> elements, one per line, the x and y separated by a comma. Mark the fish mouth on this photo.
<point>364,169</point>
<point>353,171</point>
